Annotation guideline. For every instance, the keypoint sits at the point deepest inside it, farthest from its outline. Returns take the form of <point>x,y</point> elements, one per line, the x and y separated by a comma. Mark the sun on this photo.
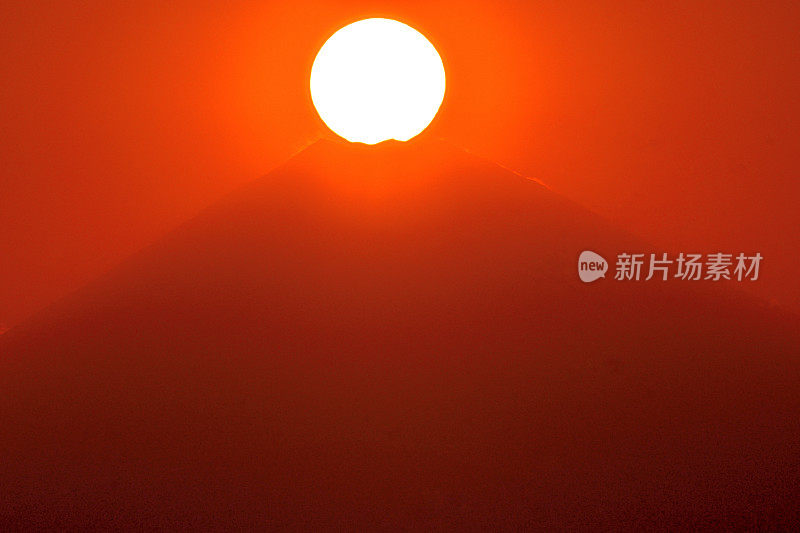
<point>377,79</point>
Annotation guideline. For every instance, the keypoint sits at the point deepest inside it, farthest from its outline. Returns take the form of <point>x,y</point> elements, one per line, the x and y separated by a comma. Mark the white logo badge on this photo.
<point>591,266</point>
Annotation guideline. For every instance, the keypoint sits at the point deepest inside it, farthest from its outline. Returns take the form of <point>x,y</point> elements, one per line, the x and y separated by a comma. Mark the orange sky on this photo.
<point>120,120</point>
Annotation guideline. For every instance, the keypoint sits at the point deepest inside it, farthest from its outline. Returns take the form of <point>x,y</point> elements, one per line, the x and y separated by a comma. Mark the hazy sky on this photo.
<point>120,120</point>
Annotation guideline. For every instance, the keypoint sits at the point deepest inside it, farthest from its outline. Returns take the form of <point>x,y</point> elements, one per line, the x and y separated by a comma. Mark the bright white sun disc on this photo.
<point>377,79</point>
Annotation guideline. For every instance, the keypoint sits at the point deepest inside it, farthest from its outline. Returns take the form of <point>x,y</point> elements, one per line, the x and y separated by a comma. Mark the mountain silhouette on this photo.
<point>396,337</point>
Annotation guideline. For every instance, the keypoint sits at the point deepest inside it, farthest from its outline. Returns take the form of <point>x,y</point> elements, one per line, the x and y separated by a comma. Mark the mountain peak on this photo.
<point>385,336</point>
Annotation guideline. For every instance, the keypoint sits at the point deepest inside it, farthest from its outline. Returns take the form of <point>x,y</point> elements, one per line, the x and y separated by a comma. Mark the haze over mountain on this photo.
<point>396,336</point>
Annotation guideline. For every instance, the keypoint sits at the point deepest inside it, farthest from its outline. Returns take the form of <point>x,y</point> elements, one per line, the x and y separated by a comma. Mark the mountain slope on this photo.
<point>396,336</point>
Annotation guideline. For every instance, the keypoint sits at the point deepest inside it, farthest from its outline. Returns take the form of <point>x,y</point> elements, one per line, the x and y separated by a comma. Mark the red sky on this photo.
<point>120,120</point>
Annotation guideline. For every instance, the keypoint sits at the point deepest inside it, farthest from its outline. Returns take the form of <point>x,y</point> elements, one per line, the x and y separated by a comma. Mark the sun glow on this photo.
<point>377,79</point>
